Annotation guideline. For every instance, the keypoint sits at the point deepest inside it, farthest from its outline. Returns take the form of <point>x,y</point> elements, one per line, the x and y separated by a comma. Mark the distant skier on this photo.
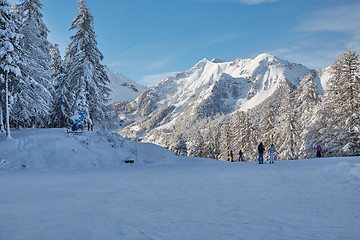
<point>231,156</point>
<point>318,151</point>
<point>241,154</point>
<point>272,151</point>
<point>261,150</point>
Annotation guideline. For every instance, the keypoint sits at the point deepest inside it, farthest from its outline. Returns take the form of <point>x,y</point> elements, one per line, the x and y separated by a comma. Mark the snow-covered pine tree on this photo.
<point>247,139</point>
<point>267,124</point>
<point>286,131</point>
<point>225,139</point>
<point>307,97</point>
<point>35,65</point>
<point>320,131</point>
<point>212,135</point>
<point>10,74</point>
<point>56,63</point>
<point>86,76</point>
<point>211,143</point>
<point>61,106</point>
<point>196,147</point>
<point>343,100</point>
<point>244,136</point>
<point>237,132</point>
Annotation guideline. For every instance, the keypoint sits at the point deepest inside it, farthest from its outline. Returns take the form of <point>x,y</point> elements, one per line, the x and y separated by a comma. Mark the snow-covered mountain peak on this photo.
<point>210,87</point>
<point>247,77</point>
<point>265,62</point>
<point>264,57</point>
<point>122,87</point>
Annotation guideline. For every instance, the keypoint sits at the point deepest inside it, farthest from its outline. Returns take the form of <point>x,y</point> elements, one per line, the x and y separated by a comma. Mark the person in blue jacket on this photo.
<point>272,151</point>
<point>261,150</point>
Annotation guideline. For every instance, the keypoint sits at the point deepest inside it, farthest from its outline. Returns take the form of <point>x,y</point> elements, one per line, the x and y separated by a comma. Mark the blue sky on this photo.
<point>147,40</point>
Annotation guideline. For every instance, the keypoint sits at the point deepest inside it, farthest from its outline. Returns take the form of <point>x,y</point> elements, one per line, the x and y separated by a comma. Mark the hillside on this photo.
<point>211,88</point>
<point>77,187</point>
<point>39,149</point>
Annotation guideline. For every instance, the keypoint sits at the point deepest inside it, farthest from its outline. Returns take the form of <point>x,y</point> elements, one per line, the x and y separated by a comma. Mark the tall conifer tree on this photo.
<point>86,76</point>
<point>10,74</point>
<point>34,102</point>
<point>61,106</point>
<point>287,128</point>
<point>343,101</point>
<point>307,99</point>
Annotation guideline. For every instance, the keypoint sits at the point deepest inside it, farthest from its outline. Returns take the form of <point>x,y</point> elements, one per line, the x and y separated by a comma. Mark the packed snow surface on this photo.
<point>167,197</point>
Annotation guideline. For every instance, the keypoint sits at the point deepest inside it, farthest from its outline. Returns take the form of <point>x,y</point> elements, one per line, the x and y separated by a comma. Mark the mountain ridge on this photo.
<point>122,87</point>
<point>209,88</point>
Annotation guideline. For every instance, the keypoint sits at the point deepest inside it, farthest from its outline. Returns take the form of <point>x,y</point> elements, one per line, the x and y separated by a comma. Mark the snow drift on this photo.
<point>55,149</point>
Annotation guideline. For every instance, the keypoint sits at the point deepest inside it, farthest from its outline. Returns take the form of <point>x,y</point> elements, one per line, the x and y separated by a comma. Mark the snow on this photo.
<point>52,149</point>
<point>259,98</point>
<point>63,195</point>
<point>325,75</point>
<point>123,88</point>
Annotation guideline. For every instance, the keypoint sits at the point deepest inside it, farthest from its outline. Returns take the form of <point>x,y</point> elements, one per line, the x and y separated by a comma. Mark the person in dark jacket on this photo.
<point>261,150</point>
<point>231,156</point>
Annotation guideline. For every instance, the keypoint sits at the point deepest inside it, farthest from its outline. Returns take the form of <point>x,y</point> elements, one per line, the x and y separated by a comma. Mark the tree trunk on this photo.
<point>8,133</point>
<point>2,129</point>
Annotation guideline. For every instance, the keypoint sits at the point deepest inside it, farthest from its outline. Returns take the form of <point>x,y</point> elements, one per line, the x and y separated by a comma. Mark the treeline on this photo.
<point>39,88</point>
<point>294,119</point>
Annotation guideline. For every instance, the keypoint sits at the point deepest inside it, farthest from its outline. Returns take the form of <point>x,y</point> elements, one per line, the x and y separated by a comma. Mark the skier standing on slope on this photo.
<point>241,154</point>
<point>318,151</point>
<point>261,150</point>
<point>231,156</point>
<point>272,151</point>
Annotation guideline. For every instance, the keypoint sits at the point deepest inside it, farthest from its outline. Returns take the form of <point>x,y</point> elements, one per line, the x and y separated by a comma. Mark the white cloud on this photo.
<point>323,36</point>
<point>163,62</point>
<point>318,59</point>
<point>341,19</point>
<point>153,79</point>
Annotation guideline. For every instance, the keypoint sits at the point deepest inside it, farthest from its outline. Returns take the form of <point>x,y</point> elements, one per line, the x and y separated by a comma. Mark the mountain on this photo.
<point>211,87</point>
<point>123,88</point>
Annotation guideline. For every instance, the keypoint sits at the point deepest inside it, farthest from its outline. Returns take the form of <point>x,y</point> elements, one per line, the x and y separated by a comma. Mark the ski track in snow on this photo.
<point>185,199</point>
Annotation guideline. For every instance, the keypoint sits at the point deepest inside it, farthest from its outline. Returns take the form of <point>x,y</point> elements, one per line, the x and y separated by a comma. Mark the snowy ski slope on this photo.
<point>168,197</point>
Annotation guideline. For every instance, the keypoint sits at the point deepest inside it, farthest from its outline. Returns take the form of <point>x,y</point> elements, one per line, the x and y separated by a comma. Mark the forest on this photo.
<point>38,87</point>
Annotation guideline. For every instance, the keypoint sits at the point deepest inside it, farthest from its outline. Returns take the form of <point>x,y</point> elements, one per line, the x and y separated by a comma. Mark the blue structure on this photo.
<point>77,121</point>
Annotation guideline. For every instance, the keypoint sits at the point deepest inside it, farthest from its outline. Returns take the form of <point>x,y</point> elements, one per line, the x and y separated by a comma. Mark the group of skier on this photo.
<point>271,151</point>
<point>261,150</point>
